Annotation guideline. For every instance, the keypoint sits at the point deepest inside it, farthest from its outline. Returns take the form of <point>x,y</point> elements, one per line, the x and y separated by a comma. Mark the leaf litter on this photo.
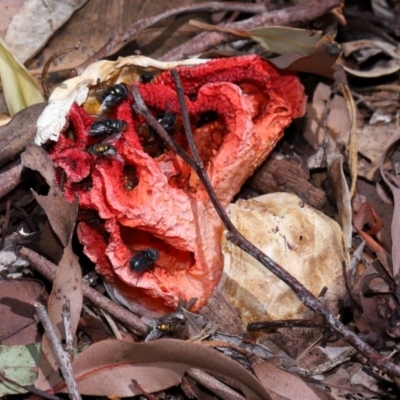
<point>371,305</point>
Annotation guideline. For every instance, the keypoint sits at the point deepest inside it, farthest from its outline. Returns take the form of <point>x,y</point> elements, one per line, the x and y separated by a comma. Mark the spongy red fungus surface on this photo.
<point>147,197</point>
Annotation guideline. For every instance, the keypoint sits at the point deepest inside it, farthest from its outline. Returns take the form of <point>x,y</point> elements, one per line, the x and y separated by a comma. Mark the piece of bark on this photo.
<point>15,136</point>
<point>285,175</point>
<point>10,178</point>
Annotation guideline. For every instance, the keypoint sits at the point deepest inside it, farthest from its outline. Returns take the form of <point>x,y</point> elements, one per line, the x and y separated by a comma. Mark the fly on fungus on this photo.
<point>106,127</point>
<point>238,108</point>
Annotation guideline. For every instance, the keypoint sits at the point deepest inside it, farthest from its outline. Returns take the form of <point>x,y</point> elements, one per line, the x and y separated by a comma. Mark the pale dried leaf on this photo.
<point>305,242</point>
<point>35,22</point>
<point>9,8</point>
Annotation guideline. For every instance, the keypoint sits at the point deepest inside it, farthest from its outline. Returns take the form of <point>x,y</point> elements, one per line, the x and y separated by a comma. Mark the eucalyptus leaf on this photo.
<point>19,87</point>
<point>282,40</point>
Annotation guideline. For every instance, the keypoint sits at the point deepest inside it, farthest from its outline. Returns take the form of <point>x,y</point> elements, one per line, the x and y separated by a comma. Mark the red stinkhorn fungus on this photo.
<point>136,193</point>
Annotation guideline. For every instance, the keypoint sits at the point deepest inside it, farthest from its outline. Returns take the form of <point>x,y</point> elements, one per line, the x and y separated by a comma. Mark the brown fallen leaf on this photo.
<point>67,284</point>
<point>394,183</point>
<point>282,384</point>
<point>17,313</point>
<point>106,368</point>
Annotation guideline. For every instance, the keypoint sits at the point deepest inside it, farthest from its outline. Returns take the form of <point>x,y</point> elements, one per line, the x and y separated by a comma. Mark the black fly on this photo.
<point>102,149</point>
<point>113,95</point>
<point>146,77</point>
<point>107,127</point>
<point>167,121</point>
<point>151,142</point>
<point>144,259</point>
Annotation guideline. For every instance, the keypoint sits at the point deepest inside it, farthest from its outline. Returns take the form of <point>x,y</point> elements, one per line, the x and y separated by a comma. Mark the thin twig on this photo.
<point>48,270</point>
<point>302,293</point>
<point>134,29</point>
<point>6,223</point>
<point>213,384</point>
<point>285,17</point>
<point>64,363</point>
<point>112,324</point>
<point>46,67</point>
<point>289,323</point>
<point>69,340</point>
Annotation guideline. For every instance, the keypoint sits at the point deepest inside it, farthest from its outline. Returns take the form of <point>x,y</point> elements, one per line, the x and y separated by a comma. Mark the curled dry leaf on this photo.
<point>308,244</point>
<point>106,368</point>
<point>366,215</point>
<point>144,196</point>
<point>379,69</point>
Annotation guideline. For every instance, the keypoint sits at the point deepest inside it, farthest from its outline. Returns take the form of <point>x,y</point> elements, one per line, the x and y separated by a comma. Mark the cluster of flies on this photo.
<point>112,127</point>
<point>142,260</point>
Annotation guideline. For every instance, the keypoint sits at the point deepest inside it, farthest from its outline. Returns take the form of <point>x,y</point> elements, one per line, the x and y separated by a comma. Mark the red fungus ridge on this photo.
<point>148,197</point>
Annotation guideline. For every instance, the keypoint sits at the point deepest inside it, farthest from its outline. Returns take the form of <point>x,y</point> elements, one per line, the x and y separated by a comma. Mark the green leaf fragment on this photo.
<point>18,363</point>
